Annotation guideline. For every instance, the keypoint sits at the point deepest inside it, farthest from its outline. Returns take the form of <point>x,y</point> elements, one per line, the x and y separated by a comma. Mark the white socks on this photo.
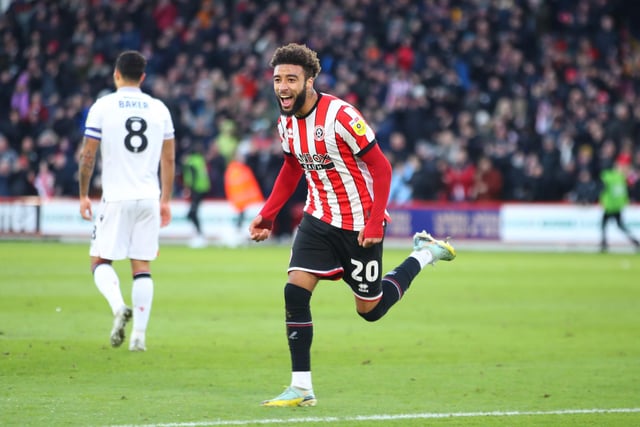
<point>424,257</point>
<point>108,284</point>
<point>141,298</point>
<point>301,379</point>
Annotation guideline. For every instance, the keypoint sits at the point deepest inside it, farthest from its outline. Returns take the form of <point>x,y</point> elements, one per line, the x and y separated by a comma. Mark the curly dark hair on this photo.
<point>298,54</point>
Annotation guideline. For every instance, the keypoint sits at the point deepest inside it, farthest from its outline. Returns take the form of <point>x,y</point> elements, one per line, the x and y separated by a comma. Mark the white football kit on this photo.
<point>131,127</point>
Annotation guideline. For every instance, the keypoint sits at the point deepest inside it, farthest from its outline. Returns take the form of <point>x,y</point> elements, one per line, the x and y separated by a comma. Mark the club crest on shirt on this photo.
<point>318,133</point>
<point>358,125</point>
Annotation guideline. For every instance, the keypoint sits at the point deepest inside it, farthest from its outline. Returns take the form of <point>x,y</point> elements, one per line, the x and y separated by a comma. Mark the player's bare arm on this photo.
<point>167,176</point>
<point>87,163</point>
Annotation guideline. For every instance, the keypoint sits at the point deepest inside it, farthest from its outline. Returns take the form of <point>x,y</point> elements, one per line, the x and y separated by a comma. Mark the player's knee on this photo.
<point>373,315</point>
<point>295,296</point>
<point>97,262</point>
<point>296,301</point>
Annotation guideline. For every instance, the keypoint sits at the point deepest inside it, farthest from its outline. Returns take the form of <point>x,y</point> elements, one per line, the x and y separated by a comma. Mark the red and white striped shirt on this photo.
<point>326,143</point>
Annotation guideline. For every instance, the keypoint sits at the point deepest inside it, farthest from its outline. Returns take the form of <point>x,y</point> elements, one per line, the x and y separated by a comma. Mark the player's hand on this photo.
<point>259,231</point>
<point>369,241</point>
<point>85,208</point>
<point>165,214</point>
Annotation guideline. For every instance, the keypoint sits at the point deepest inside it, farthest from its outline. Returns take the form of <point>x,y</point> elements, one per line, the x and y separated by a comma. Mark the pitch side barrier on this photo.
<point>19,217</point>
<point>457,220</point>
<point>545,224</point>
<point>540,225</point>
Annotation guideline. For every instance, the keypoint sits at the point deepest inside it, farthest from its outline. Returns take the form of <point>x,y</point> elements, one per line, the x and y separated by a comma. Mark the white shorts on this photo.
<point>127,229</point>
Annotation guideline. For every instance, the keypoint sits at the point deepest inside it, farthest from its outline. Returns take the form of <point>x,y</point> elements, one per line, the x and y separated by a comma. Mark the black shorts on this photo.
<point>332,253</point>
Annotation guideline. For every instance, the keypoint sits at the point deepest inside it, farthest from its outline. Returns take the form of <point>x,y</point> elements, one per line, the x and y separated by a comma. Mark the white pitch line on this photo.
<point>386,417</point>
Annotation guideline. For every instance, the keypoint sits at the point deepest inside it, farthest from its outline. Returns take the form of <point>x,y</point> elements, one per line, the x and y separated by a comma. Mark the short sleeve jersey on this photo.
<point>131,127</point>
<point>328,143</point>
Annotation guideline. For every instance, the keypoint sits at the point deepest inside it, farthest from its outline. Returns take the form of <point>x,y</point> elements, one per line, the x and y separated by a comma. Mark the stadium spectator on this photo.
<point>20,96</point>
<point>426,182</point>
<point>45,181</point>
<point>8,161</point>
<point>556,180</point>
<point>217,165</point>
<point>400,191</point>
<point>487,183</point>
<point>459,177</point>
<point>227,141</point>
<point>524,70</point>
<point>26,167</point>
<point>586,191</point>
<point>65,171</point>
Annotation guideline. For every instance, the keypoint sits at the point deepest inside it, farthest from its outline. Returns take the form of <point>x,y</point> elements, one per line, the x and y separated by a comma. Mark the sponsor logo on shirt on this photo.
<point>315,162</point>
<point>359,126</point>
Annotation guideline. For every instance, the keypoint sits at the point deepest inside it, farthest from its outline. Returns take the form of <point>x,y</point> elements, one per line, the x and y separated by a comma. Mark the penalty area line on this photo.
<point>387,417</point>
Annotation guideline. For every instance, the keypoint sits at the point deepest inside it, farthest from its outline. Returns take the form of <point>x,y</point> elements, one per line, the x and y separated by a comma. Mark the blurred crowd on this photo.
<point>472,100</point>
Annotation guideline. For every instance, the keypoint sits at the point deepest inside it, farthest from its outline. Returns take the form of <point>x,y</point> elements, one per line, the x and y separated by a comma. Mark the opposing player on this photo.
<point>135,135</point>
<point>342,230</point>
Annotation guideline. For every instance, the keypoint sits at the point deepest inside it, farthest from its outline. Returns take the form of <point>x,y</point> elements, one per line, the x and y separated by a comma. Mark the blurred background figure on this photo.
<point>614,198</point>
<point>400,191</point>
<point>426,182</point>
<point>586,191</point>
<point>8,162</point>
<point>459,177</point>
<point>195,178</point>
<point>242,190</point>
<point>487,185</point>
<point>45,181</point>
<point>227,140</point>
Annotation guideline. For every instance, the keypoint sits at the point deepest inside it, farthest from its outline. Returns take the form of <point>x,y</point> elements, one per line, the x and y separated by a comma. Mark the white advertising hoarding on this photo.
<point>61,218</point>
<point>537,224</point>
<point>562,224</point>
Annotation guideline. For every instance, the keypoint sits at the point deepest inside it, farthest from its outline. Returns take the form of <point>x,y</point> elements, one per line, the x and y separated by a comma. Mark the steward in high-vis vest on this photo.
<point>241,187</point>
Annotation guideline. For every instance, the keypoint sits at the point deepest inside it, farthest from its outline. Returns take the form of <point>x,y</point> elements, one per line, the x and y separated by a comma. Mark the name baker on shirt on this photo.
<point>128,103</point>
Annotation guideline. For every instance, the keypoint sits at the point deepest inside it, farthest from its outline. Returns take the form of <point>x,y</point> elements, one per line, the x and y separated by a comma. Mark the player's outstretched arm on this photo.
<point>283,189</point>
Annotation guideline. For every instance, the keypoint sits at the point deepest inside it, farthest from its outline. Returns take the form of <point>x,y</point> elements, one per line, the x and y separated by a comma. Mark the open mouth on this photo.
<point>286,102</point>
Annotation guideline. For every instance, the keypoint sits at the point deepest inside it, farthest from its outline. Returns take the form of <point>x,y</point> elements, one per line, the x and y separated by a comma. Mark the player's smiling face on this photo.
<point>290,87</point>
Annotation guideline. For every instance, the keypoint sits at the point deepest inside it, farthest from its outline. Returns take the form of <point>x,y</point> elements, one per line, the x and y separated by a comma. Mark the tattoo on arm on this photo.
<point>87,164</point>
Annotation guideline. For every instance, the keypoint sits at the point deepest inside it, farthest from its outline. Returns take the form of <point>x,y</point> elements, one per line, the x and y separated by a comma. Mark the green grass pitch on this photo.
<point>490,339</point>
